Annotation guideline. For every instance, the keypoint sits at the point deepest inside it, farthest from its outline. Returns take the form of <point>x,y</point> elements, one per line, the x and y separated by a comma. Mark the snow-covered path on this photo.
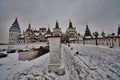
<point>96,62</point>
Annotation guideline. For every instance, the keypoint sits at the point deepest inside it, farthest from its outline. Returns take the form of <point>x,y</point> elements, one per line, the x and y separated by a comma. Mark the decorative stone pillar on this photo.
<point>55,55</point>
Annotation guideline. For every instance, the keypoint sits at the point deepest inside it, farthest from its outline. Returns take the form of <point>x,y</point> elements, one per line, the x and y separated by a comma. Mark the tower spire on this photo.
<point>29,26</point>
<point>57,25</point>
<point>48,30</point>
<point>16,24</point>
<point>87,31</point>
<point>70,24</point>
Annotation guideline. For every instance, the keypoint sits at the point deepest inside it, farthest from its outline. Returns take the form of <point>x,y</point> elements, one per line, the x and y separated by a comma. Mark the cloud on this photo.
<point>98,14</point>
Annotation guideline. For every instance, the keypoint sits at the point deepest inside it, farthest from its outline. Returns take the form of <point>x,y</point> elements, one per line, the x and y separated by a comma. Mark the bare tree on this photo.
<point>113,35</point>
<point>103,36</point>
<point>96,34</point>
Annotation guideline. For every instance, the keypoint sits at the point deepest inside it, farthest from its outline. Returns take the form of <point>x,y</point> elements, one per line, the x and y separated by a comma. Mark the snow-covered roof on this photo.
<point>36,34</point>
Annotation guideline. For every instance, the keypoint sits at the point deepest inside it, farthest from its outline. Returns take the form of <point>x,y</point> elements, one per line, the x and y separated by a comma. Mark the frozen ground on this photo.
<point>96,62</point>
<point>82,62</point>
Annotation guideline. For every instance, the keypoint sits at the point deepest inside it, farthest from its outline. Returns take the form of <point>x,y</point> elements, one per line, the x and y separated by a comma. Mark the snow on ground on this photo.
<point>81,62</point>
<point>96,62</point>
<point>37,69</point>
<point>10,66</point>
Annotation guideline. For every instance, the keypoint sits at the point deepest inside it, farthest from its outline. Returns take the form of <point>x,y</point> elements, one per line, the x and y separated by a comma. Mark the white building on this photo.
<point>14,32</point>
<point>57,31</point>
<point>71,33</point>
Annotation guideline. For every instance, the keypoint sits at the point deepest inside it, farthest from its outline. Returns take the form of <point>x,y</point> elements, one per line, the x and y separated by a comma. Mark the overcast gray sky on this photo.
<point>98,14</point>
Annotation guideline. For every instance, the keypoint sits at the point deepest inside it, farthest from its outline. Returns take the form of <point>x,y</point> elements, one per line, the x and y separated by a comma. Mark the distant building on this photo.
<point>29,34</point>
<point>32,35</point>
<point>64,38</point>
<point>110,40</point>
<point>71,32</point>
<point>87,33</point>
<point>71,36</point>
<point>57,30</point>
<point>42,30</point>
<point>14,32</point>
<point>21,39</point>
<point>48,33</point>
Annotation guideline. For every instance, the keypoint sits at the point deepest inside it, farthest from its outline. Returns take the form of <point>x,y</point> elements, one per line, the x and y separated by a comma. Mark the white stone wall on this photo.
<point>57,32</point>
<point>13,37</point>
<point>101,41</point>
<point>71,32</point>
<point>55,49</point>
<point>28,55</point>
<point>55,55</point>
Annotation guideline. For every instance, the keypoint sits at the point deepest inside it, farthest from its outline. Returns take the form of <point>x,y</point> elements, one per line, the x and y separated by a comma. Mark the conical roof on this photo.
<point>70,24</point>
<point>57,25</point>
<point>16,24</point>
<point>15,27</point>
<point>29,27</point>
<point>87,31</point>
<point>49,31</point>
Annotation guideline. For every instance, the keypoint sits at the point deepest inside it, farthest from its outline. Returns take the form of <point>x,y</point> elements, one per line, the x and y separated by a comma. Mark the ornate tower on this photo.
<point>87,33</point>
<point>71,32</point>
<point>14,32</point>
<point>56,30</point>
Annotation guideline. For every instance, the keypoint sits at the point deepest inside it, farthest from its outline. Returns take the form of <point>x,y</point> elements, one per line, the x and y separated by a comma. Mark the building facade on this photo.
<point>71,32</point>
<point>32,35</point>
<point>87,33</point>
<point>57,30</point>
<point>14,32</point>
<point>71,36</point>
<point>110,40</point>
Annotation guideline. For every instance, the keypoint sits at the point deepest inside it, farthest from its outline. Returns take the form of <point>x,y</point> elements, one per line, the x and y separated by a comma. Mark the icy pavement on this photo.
<point>82,62</point>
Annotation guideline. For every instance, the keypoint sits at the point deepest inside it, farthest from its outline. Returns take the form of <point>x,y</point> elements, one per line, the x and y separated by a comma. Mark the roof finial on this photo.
<point>87,25</point>
<point>70,24</point>
<point>15,23</point>
<point>57,25</point>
